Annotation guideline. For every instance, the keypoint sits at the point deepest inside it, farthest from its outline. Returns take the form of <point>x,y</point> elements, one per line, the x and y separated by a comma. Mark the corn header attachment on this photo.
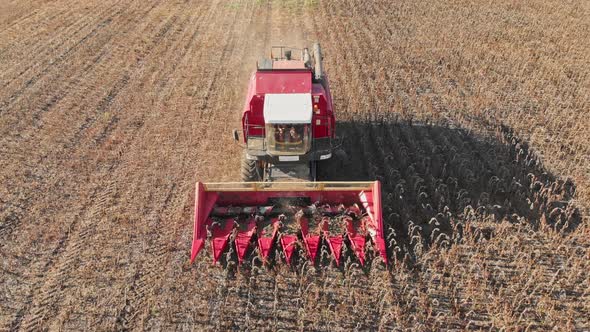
<point>264,216</point>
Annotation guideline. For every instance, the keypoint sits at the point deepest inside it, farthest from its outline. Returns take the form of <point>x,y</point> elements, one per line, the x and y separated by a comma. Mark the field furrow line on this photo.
<point>108,23</point>
<point>54,20</point>
<point>20,19</point>
<point>45,54</point>
<point>143,283</point>
<point>187,45</point>
<point>56,254</point>
<point>55,278</point>
<point>68,258</point>
<point>76,139</point>
<point>133,310</point>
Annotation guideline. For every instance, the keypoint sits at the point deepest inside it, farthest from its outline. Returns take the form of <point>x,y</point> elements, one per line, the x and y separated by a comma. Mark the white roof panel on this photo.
<point>288,108</point>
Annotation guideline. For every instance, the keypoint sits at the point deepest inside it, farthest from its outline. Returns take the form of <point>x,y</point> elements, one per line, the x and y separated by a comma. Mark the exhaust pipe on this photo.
<point>317,55</point>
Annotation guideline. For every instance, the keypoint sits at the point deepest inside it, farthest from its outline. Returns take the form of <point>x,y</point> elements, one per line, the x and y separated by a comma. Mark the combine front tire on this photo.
<point>251,171</point>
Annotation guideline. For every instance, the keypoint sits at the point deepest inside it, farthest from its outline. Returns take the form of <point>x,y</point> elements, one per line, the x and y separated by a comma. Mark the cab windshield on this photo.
<point>288,139</point>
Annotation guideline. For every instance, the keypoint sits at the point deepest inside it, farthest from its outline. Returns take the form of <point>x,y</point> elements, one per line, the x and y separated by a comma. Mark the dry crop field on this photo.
<point>474,114</point>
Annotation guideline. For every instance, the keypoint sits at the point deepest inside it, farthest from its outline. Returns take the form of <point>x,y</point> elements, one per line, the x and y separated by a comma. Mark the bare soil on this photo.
<point>473,114</point>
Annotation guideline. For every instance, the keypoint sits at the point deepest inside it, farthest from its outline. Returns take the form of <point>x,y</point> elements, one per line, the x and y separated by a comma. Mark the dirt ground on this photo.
<point>471,113</point>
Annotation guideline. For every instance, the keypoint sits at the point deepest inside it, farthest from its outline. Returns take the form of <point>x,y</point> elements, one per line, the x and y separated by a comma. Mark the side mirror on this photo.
<point>236,135</point>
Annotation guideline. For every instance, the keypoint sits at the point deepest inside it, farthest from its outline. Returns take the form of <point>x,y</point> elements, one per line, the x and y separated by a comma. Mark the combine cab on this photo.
<point>288,122</point>
<point>288,127</point>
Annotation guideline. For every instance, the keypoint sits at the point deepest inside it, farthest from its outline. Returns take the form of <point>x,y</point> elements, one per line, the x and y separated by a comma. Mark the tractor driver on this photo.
<point>294,136</point>
<point>280,133</point>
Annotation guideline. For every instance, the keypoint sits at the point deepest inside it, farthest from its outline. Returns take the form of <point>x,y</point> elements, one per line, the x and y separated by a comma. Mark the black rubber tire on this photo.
<point>250,171</point>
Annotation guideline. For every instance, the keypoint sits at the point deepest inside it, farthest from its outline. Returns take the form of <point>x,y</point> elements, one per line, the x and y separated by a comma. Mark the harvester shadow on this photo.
<point>437,181</point>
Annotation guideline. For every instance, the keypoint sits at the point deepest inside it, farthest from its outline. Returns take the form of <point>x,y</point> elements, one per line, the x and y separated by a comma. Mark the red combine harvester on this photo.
<point>288,127</point>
